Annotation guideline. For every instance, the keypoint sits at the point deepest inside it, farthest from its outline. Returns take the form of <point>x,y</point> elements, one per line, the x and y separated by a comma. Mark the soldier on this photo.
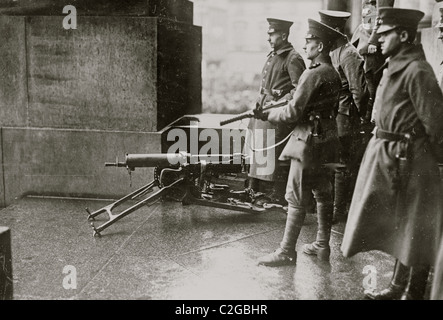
<point>354,98</point>
<point>397,203</point>
<point>371,53</point>
<point>374,46</point>
<point>281,74</point>
<point>437,285</point>
<point>312,145</point>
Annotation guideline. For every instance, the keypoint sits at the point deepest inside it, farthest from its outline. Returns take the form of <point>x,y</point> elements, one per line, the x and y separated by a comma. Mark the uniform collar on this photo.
<point>287,47</point>
<point>406,55</point>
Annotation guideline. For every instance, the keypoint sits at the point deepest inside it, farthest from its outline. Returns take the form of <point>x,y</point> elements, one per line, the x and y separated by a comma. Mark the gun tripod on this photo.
<point>188,184</point>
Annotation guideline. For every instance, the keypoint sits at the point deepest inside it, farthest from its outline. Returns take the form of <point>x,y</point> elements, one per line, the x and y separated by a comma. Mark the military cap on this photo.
<point>391,18</point>
<point>335,19</point>
<point>440,24</point>
<point>319,30</point>
<point>385,3</point>
<point>276,25</point>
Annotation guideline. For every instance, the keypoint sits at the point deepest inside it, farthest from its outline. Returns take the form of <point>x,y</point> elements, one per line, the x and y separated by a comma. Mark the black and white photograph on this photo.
<point>221,156</point>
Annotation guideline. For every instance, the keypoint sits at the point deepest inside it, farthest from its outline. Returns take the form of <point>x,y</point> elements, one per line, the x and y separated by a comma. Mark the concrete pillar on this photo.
<point>355,9</point>
<point>132,65</point>
<point>129,69</point>
<point>352,6</point>
<point>178,10</point>
<point>424,5</point>
<point>339,5</point>
<point>6,287</point>
<point>429,38</point>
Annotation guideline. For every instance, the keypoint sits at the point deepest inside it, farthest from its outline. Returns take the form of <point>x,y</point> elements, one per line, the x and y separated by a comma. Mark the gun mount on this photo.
<point>181,177</point>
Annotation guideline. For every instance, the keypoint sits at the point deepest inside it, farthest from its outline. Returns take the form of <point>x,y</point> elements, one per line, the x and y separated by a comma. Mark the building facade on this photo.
<point>235,46</point>
<point>235,42</point>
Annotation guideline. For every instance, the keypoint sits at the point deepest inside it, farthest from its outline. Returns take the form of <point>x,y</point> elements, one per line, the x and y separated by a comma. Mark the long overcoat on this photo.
<point>281,74</point>
<point>406,223</point>
<point>437,284</point>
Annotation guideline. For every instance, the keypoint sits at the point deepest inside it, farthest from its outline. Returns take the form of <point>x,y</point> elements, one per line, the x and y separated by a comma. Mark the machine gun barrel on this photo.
<point>250,114</point>
<point>174,160</point>
<point>150,160</point>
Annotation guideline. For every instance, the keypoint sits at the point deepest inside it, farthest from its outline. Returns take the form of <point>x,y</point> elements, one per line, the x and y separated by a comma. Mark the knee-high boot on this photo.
<point>286,254</point>
<point>418,280</point>
<point>254,184</point>
<point>321,247</point>
<point>341,195</point>
<point>396,287</point>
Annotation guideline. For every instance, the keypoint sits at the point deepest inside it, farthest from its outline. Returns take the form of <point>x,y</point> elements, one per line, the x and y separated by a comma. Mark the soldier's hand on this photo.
<point>287,97</point>
<point>372,49</point>
<point>260,115</point>
<point>366,125</point>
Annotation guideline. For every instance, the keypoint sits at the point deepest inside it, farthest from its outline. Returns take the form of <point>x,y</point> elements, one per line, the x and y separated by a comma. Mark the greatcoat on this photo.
<point>404,222</point>
<point>281,74</point>
<point>437,284</point>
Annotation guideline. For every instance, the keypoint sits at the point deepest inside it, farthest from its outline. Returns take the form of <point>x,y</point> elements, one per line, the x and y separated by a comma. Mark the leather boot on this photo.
<point>254,184</point>
<point>418,280</point>
<point>274,195</point>
<point>278,258</point>
<point>286,254</point>
<point>396,287</point>
<point>321,247</point>
<point>341,195</point>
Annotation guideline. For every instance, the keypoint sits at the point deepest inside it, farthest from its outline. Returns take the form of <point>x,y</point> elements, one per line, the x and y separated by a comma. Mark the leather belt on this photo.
<point>391,136</point>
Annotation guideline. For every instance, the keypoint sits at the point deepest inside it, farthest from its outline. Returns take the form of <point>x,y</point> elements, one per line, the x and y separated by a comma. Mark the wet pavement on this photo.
<point>173,252</point>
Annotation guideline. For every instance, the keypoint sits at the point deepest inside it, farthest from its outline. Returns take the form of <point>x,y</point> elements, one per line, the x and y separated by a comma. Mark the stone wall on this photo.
<point>177,10</point>
<point>433,47</point>
<point>71,100</point>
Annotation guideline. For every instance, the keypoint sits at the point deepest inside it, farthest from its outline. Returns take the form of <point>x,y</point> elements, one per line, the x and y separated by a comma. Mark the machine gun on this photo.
<point>181,177</point>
